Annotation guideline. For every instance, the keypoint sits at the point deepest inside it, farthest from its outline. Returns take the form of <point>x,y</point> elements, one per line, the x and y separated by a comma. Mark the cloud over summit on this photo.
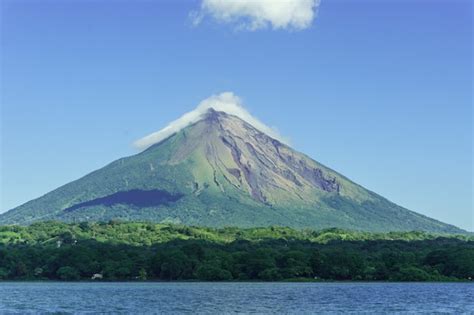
<point>225,102</point>
<point>259,14</point>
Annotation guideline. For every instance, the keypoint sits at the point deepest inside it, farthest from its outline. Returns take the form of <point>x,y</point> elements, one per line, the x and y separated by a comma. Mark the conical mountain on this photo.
<point>221,171</point>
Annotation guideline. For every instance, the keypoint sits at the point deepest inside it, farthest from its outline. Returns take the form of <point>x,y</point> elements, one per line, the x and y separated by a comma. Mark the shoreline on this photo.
<point>236,281</point>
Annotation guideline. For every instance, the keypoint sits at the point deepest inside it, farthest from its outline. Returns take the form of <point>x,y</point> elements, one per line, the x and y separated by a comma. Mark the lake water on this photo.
<point>296,298</point>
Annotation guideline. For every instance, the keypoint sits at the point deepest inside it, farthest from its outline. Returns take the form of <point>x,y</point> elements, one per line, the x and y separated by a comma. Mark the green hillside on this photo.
<point>219,172</point>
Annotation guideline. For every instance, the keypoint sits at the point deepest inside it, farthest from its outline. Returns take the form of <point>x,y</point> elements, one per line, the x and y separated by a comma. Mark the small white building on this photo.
<point>97,276</point>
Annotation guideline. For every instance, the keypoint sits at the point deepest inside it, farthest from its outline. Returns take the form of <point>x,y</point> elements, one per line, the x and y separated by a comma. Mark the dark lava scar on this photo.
<point>135,197</point>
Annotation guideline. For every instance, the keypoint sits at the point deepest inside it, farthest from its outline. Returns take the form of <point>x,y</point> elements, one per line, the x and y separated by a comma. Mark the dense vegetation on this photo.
<point>146,251</point>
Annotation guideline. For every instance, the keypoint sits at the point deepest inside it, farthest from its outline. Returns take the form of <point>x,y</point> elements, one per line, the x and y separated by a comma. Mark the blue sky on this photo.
<point>380,91</point>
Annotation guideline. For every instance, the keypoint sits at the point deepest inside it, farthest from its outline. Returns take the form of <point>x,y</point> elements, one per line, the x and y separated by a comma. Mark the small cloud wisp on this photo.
<point>225,102</point>
<point>259,14</point>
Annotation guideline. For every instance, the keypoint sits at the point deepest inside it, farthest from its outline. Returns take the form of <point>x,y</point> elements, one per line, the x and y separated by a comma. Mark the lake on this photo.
<point>297,298</point>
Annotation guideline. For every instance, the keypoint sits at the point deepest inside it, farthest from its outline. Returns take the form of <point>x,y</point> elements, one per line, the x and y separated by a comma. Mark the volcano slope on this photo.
<point>221,171</point>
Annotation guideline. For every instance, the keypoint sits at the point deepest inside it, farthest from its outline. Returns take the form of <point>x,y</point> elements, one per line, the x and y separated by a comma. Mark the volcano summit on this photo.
<point>217,167</point>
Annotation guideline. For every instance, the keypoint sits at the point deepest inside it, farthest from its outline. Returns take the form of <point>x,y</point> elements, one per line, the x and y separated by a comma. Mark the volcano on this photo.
<point>222,171</point>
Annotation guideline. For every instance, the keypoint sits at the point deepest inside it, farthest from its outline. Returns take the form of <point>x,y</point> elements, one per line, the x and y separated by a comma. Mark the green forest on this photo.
<point>119,251</point>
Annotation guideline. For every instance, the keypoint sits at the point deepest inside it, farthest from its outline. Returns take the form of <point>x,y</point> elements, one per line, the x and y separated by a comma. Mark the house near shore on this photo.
<point>97,276</point>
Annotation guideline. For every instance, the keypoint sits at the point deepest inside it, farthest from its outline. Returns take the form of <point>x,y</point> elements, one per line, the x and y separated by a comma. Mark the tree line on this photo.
<point>146,251</point>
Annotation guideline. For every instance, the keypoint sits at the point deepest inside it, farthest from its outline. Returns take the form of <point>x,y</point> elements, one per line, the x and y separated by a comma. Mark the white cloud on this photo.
<point>225,102</point>
<point>258,14</point>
